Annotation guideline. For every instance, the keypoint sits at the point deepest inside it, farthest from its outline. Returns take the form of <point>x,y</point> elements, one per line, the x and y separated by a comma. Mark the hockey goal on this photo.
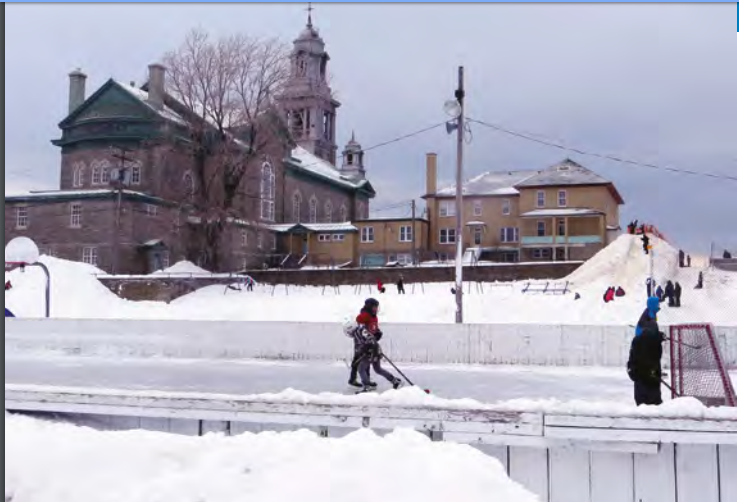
<point>697,367</point>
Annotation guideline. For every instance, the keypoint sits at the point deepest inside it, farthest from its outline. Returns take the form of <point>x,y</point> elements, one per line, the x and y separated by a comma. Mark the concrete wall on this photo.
<point>408,343</point>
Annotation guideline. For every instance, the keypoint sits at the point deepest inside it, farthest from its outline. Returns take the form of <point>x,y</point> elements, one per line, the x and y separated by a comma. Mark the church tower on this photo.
<point>353,160</point>
<point>306,101</point>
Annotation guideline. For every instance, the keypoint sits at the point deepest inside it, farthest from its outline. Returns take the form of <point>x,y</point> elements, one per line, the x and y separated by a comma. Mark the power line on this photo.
<point>554,144</point>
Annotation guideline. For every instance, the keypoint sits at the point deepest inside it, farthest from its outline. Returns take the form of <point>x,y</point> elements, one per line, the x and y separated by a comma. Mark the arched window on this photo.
<point>313,210</point>
<point>297,203</point>
<point>267,190</point>
<point>136,173</point>
<point>188,186</point>
<point>328,212</point>
<point>342,214</point>
<point>104,172</point>
<point>78,174</point>
<point>96,172</point>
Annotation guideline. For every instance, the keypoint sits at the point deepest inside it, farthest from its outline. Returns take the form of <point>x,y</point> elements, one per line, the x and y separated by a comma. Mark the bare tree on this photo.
<point>227,86</point>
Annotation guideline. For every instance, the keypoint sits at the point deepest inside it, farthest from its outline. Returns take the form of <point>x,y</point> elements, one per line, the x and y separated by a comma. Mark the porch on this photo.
<point>562,234</point>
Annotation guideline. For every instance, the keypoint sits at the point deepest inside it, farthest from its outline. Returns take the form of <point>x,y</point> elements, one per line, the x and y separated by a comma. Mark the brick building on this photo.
<point>144,213</point>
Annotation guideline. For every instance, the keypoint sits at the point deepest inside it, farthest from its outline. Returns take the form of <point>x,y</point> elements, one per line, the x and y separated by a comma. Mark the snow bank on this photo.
<point>47,461</point>
<point>622,263</point>
<point>414,397</point>
<point>182,268</point>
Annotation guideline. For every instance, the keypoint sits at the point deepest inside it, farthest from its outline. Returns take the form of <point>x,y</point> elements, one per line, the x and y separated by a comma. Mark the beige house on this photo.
<point>564,212</point>
<point>385,241</point>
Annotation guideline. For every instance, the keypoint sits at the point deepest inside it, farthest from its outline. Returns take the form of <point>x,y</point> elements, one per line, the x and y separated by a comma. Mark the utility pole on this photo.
<point>459,95</point>
<point>413,232</point>
<point>119,183</point>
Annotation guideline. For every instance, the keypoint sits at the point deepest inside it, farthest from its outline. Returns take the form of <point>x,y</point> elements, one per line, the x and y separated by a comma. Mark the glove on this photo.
<point>378,335</point>
<point>663,336</point>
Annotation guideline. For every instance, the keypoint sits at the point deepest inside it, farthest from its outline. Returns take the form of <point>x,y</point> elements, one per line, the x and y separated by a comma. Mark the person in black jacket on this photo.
<point>678,293</point>
<point>644,366</point>
<point>670,294</point>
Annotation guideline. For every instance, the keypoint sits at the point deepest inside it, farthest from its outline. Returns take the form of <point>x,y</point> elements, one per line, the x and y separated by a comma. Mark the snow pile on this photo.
<point>183,268</point>
<point>47,461</point>
<point>623,263</point>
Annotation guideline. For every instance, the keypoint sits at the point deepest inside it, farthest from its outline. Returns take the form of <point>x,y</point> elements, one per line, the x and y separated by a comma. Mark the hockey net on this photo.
<point>697,367</point>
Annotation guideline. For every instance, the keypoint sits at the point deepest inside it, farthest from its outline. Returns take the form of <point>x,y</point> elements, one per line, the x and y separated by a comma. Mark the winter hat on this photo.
<point>653,305</point>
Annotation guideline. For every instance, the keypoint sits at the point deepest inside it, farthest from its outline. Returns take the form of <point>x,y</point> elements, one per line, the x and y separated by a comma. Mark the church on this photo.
<point>122,203</point>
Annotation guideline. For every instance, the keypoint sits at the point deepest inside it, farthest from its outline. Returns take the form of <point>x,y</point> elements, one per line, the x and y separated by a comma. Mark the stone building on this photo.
<point>126,181</point>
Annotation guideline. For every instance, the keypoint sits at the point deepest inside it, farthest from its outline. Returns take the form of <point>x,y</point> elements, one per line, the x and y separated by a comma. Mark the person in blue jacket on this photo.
<point>644,366</point>
<point>8,313</point>
<point>648,318</point>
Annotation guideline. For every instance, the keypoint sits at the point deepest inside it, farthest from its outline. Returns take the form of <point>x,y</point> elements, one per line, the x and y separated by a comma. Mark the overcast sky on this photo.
<point>653,83</point>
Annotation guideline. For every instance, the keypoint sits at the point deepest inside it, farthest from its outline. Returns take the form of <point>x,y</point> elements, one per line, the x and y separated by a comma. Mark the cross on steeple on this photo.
<point>310,19</point>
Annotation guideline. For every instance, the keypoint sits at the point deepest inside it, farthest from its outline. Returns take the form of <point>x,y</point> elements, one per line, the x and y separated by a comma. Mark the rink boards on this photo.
<point>562,458</point>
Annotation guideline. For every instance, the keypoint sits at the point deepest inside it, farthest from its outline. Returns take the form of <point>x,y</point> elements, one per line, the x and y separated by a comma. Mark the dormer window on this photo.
<point>563,167</point>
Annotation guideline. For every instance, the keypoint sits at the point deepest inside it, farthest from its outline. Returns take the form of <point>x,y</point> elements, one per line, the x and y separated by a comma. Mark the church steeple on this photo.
<point>307,103</point>
<point>353,160</point>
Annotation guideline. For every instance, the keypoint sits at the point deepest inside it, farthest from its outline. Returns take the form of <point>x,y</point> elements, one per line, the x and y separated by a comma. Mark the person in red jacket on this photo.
<point>367,352</point>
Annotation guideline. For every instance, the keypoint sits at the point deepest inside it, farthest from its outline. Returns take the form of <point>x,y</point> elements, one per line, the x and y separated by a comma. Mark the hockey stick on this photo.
<point>427,391</point>
<point>669,387</point>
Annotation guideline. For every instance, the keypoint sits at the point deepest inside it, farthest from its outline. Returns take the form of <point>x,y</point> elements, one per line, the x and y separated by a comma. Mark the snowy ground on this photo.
<point>485,384</point>
<point>77,294</point>
<point>57,462</point>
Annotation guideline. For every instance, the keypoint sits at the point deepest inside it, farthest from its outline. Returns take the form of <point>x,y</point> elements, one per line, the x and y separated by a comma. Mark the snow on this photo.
<point>561,212</point>
<point>323,168</point>
<point>183,268</point>
<point>85,465</point>
<point>622,263</point>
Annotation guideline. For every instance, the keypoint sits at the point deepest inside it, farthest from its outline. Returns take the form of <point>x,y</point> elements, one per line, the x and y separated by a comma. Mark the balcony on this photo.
<point>560,240</point>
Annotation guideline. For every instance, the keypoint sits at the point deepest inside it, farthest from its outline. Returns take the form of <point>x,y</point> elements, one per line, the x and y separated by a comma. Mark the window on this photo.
<point>406,233</point>
<point>477,208</point>
<point>509,234</point>
<point>562,198</point>
<point>447,236</point>
<point>541,228</point>
<point>260,241</point>
<point>324,237</point>
<point>368,234</point>
<point>477,236</point>
<point>313,210</point>
<point>447,209</point>
<point>273,242</point>
<point>506,207</point>
<point>95,173</point>
<point>267,190</point>
<point>151,210</point>
<point>21,217</point>
<point>541,199</point>
<point>78,174</point>
<point>405,259</point>
<point>342,214</point>
<point>75,215</point>
<point>245,238</point>
<point>188,182</point>
<point>105,172</point>
<point>561,227</point>
<point>297,203</point>
<point>338,237</point>
<point>90,255</point>
<point>328,212</point>
<point>136,174</point>
<point>541,254</point>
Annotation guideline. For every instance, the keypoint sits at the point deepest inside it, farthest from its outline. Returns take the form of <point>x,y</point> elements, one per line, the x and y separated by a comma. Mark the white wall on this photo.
<point>418,343</point>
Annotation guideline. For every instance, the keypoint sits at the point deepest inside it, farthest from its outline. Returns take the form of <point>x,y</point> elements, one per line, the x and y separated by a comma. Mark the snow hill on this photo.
<point>76,293</point>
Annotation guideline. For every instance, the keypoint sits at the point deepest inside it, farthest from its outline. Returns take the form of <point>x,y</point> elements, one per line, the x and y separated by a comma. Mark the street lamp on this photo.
<point>455,109</point>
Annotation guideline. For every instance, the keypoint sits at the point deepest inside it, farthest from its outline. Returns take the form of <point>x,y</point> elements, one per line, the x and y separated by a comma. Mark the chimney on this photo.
<point>77,81</point>
<point>156,85</point>
<point>430,173</point>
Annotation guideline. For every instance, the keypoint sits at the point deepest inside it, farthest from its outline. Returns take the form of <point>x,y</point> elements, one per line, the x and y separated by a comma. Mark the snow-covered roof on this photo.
<point>561,212</point>
<point>143,96</point>
<point>82,194</point>
<point>567,172</point>
<point>490,183</point>
<point>315,227</point>
<point>323,168</point>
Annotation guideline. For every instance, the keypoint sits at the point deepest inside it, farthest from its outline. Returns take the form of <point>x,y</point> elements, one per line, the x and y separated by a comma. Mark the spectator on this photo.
<point>678,293</point>
<point>401,286</point>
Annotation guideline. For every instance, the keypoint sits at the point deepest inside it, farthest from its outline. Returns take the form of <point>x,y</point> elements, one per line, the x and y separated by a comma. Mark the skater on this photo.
<point>670,294</point>
<point>678,293</point>
<point>644,366</point>
<point>401,286</point>
<point>369,352</point>
<point>366,320</point>
<point>249,284</point>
